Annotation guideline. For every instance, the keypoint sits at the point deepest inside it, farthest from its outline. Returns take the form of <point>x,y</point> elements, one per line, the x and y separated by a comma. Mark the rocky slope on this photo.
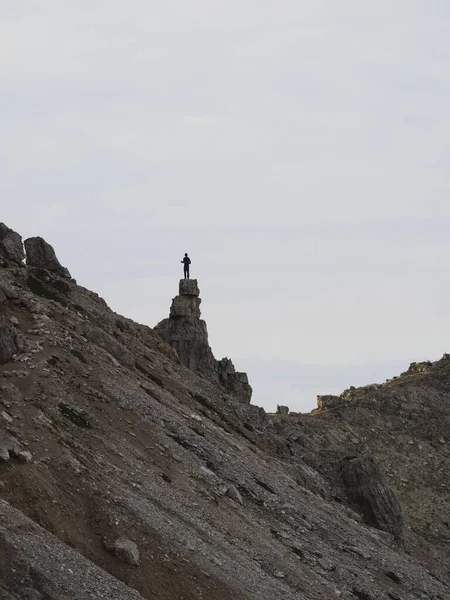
<point>404,425</point>
<point>126,474</point>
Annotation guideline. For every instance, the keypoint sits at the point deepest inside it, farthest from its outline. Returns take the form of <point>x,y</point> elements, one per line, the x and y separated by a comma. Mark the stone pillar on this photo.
<point>187,304</point>
<point>185,331</point>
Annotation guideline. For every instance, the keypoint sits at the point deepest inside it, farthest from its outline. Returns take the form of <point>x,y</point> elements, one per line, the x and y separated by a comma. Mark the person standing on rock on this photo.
<point>186,261</point>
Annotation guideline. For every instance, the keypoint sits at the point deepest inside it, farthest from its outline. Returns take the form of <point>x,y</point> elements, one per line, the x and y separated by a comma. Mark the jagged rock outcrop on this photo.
<point>370,496</point>
<point>185,331</point>
<point>329,401</point>
<point>11,247</point>
<point>422,367</point>
<point>41,255</point>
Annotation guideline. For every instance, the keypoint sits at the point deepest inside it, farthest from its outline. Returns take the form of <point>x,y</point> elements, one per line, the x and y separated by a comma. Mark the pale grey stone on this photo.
<point>6,416</point>
<point>4,454</point>
<point>126,551</point>
<point>234,494</point>
<point>25,456</point>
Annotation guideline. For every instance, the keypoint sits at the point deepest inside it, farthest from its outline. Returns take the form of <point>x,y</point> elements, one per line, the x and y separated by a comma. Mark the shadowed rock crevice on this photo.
<point>185,331</point>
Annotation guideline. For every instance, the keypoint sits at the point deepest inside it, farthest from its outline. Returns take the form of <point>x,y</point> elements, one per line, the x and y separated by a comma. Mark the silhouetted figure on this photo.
<point>186,262</point>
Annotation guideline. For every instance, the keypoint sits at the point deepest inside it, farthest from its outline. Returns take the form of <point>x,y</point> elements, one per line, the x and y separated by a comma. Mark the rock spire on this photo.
<point>187,333</point>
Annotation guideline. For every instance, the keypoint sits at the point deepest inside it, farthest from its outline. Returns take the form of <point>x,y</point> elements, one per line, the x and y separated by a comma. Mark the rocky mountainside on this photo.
<point>130,467</point>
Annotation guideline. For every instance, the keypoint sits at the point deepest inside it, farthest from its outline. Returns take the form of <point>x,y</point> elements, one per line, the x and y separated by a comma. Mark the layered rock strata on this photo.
<point>187,333</point>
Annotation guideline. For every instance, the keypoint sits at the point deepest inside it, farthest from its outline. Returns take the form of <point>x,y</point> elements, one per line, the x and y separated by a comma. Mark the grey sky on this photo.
<point>299,151</point>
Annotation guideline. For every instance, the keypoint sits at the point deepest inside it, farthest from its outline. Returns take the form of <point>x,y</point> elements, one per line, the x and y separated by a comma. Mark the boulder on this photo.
<point>7,290</point>
<point>126,551</point>
<point>11,247</point>
<point>25,456</point>
<point>6,416</point>
<point>368,493</point>
<point>40,254</point>
<point>9,445</point>
<point>282,410</point>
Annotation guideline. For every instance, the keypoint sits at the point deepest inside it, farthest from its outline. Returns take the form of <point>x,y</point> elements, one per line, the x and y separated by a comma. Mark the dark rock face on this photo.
<point>41,255</point>
<point>11,247</point>
<point>185,331</point>
<point>367,491</point>
<point>8,345</point>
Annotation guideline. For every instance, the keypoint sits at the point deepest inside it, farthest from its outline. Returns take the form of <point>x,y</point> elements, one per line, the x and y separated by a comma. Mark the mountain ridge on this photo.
<point>105,434</point>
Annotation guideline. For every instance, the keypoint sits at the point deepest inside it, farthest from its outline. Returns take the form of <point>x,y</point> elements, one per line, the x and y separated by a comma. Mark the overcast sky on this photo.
<point>298,150</point>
